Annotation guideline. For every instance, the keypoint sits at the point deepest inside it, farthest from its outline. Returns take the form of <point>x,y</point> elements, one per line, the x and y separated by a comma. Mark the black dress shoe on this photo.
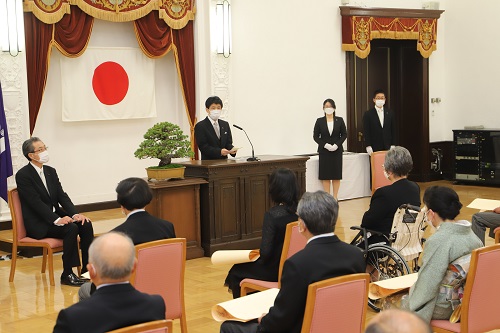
<point>72,280</point>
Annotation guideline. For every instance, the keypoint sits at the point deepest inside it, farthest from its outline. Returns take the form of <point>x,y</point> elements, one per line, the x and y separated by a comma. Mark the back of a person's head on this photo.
<point>443,201</point>
<point>397,321</point>
<point>284,188</point>
<point>319,211</point>
<point>112,255</point>
<point>398,161</point>
<point>133,193</point>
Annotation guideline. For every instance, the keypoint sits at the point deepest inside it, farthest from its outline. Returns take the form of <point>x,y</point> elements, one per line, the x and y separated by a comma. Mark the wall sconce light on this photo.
<point>11,26</point>
<point>223,13</point>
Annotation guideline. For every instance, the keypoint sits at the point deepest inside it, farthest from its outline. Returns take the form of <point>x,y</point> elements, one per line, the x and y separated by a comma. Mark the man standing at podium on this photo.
<point>213,136</point>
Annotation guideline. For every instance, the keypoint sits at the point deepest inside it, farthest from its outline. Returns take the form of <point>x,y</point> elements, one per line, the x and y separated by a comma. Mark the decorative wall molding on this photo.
<point>15,100</point>
<point>220,81</point>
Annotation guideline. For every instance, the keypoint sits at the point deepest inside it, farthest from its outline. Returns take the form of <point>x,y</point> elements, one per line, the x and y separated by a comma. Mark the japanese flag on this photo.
<point>108,83</point>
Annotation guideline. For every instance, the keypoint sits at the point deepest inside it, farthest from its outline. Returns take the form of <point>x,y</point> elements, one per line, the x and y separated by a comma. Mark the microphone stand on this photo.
<point>253,158</point>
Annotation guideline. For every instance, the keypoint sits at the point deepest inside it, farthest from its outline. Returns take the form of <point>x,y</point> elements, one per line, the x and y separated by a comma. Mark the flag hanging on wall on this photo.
<point>108,83</point>
<point>5,156</point>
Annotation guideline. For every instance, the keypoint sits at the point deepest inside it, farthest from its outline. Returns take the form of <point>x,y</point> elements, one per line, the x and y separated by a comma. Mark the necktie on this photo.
<point>217,130</point>
<point>42,176</point>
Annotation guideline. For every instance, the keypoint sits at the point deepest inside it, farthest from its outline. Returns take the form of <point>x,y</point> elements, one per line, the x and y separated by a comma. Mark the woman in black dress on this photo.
<point>330,133</point>
<point>284,191</point>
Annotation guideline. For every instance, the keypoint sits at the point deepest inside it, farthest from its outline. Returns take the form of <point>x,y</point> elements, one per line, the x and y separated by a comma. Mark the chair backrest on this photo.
<point>294,242</point>
<point>378,179</point>
<point>16,212</point>
<point>480,307</point>
<point>160,270</point>
<point>337,304</point>
<point>157,326</point>
<point>407,226</point>
<point>497,235</point>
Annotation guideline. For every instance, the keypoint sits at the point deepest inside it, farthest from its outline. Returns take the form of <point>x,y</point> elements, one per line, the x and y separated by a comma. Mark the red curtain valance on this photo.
<point>359,30</point>
<point>175,13</point>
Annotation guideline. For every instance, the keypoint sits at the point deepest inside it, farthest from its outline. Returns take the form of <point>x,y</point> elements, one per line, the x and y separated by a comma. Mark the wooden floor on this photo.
<point>30,304</point>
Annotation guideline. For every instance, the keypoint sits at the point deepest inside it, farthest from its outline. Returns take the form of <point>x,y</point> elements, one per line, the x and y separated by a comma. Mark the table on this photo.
<point>355,181</point>
<point>178,201</point>
<point>236,196</point>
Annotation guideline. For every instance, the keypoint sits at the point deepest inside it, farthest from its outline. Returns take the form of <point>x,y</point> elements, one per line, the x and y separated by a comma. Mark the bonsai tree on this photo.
<point>164,141</point>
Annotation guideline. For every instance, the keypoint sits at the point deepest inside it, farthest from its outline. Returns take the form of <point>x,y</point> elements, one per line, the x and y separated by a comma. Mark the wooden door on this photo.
<point>398,68</point>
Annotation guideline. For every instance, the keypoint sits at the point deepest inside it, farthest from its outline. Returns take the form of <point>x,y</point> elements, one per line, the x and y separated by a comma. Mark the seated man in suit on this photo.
<point>133,195</point>
<point>116,303</point>
<point>325,256</point>
<point>49,212</point>
<point>397,321</point>
<point>213,136</point>
<point>483,220</point>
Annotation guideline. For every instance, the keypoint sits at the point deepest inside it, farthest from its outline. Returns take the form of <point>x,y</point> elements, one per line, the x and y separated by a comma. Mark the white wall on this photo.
<point>472,68</point>
<point>287,60</point>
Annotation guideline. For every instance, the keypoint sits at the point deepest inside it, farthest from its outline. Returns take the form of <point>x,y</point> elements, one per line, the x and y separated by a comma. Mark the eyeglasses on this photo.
<point>41,149</point>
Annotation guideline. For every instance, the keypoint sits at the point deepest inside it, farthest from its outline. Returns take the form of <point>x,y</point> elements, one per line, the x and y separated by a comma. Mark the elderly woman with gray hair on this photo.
<point>386,200</point>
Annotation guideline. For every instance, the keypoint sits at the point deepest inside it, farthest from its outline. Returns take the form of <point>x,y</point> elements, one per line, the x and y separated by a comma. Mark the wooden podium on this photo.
<point>178,201</point>
<point>234,200</point>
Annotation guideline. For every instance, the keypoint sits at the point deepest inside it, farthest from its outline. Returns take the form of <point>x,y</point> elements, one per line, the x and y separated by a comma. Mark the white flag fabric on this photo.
<point>108,83</point>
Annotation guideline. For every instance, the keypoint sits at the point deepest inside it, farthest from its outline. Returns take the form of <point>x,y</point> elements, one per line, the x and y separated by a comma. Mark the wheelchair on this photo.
<point>389,259</point>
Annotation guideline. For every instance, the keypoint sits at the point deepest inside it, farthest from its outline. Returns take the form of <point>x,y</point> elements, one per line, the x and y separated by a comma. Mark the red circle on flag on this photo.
<point>110,83</point>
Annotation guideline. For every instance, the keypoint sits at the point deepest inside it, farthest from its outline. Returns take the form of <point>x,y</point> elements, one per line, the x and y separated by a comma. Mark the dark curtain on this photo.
<point>184,41</point>
<point>154,35</point>
<point>38,36</point>
<point>155,38</point>
<point>72,32</point>
<point>71,35</point>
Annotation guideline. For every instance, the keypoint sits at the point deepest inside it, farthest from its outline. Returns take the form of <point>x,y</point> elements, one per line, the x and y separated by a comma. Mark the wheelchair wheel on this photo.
<point>384,263</point>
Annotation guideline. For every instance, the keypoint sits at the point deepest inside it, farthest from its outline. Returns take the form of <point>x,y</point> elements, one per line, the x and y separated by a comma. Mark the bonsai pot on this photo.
<point>164,174</point>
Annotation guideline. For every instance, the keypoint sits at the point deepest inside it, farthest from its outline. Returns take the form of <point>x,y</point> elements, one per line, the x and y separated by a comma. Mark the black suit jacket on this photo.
<point>321,259</point>
<point>110,307</point>
<point>386,200</point>
<point>143,227</point>
<point>37,204</point>
<point>375,136</point>
<point>208,142</point>
<point>322,135</point>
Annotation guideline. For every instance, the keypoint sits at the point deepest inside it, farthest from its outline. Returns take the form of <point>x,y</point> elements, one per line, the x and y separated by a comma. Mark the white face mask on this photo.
<point>386,175</point>
<point>214,114</point>
<point>43,157</point>
<point>379,102</point>
<point>329,110</point>
<point>429,223</point>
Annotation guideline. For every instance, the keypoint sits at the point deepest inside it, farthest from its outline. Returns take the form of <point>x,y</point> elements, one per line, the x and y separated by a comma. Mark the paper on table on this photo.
<point>388,287</point>
<point>245,308</point>
<point>234,256</point>
<point>484,204</point>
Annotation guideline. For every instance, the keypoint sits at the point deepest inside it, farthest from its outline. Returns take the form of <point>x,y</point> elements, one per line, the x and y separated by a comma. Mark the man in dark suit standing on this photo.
<point>379,125</point>
<point>325,256</point>
<point>49,212</point>
<point>213,136</point>
<point>116,303</point>
<point>133,195</point>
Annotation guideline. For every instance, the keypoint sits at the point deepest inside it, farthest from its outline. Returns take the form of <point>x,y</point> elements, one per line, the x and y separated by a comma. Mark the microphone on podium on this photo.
<point>253,158</point>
